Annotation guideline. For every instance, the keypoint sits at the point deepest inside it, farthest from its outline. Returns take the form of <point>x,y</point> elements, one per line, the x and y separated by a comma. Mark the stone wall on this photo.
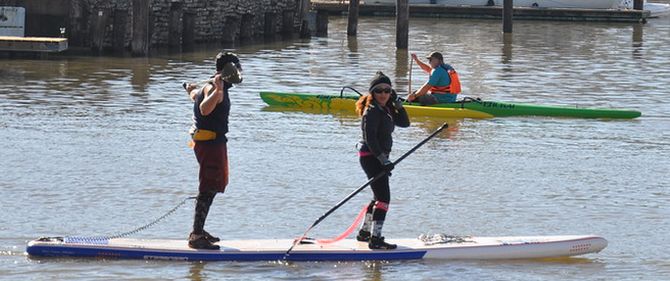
<point>100,23</point>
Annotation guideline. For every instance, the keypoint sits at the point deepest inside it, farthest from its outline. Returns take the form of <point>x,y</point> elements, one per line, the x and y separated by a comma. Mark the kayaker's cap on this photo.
<point>436,55</point>
<point>379,78</point>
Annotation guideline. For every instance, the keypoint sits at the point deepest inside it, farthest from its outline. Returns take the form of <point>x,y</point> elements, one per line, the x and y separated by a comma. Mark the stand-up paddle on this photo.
<point>297,241</point>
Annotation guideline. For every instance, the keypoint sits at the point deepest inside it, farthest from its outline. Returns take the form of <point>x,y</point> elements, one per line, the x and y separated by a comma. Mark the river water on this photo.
<point>98,146</point>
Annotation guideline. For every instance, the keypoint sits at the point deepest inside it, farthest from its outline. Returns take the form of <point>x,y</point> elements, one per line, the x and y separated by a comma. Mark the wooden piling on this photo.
<point>188,31</point>
<point>303,8</point>
<point>507,16</point>
<point>78,23</point>
<point>638,5</point>
<point>99,26</point>
<point>119,30</point>
<point>402,24</point>
<point>288,26</point>
<point>175,25</point>
<point>352,24</point>
<point>270,25</point>
<point>246,27</point>
<point>140,41</point>
<point>322,23</point>
<point>231,28</point>
<point>305,31</point>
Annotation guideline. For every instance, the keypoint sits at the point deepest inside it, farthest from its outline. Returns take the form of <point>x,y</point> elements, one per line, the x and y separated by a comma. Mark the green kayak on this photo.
<point>465,108</point>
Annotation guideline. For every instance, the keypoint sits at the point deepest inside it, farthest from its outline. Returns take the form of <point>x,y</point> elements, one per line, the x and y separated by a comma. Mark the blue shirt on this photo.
<point>439,76</point>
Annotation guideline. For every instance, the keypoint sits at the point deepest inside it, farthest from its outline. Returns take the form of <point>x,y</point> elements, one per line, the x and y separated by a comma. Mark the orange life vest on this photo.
<point>454,86</point>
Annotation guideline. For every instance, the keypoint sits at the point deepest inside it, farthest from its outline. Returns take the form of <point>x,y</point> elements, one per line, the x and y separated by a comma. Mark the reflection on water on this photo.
<point>374,270</point>
<point>401,70</point>
<point>195,272</point>
<point>430,125</point>
<point>638,32</point>
<point>507,48</point>
<point>88,140</point>
<point>141,73</point>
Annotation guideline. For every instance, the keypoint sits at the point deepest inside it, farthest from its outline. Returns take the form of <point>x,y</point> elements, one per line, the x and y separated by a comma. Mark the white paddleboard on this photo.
<point>462,247</point>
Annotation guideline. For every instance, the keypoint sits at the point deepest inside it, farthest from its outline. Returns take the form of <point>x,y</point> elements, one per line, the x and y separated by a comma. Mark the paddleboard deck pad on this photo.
<point>425,247</point>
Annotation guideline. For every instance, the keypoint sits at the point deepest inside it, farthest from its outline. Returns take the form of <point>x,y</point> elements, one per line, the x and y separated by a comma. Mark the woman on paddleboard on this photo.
<point>381,112</point>
<point>210,124</point>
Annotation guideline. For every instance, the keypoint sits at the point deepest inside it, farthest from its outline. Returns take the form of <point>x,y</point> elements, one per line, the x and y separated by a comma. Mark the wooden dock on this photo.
<point>491,12</point>
<point>32,44</point>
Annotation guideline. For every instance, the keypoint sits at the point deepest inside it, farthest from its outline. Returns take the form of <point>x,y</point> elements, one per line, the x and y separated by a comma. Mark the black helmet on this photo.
<point>226,57</point>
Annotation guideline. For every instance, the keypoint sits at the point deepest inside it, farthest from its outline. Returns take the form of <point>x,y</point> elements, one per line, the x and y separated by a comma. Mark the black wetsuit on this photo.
<point>377,125</point>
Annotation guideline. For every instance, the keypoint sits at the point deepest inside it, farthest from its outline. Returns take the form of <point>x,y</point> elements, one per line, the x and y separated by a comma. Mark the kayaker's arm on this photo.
<point>422,91</point>
<point>424,66</point>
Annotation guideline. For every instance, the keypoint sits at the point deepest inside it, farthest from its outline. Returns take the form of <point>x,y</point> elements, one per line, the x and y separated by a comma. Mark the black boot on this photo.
<point>377,243</point>
<point>199,241</point>
<point>210,238</point>
<point>363,236</point>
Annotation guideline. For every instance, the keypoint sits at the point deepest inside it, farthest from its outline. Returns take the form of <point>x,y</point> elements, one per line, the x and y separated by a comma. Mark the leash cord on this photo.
<point>154,222</point>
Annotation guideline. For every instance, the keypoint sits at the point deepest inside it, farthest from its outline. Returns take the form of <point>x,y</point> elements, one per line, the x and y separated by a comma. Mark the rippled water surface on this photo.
<point>98,145</point>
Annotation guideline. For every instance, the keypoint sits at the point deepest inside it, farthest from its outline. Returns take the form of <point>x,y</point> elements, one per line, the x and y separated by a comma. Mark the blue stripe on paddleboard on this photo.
<point>70,251</point>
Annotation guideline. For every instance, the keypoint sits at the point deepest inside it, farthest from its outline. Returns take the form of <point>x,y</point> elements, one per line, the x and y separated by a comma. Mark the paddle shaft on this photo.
<point>351,195</point>
<point>409,82</point>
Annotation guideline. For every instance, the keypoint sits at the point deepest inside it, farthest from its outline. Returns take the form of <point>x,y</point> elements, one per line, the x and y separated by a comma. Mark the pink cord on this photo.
<point>349,230</point>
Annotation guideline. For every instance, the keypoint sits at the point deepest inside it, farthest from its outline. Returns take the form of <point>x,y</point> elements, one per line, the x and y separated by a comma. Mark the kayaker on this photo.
<point>443,84</point>
<point>381,111</point>
<point>210,124</point>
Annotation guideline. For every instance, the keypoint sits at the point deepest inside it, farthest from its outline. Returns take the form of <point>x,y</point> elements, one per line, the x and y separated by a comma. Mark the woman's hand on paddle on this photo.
<point>388,166</point>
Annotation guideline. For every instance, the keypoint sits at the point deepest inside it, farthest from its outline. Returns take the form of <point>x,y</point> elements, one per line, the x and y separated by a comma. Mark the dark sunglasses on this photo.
<point>381,91</point>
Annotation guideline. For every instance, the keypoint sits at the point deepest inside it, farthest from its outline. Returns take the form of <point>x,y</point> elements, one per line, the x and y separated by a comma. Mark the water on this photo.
<point>98,146</point>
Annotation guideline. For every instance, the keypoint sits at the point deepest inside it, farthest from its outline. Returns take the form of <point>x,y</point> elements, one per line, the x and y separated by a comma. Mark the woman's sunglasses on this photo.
<point>381,91</point>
